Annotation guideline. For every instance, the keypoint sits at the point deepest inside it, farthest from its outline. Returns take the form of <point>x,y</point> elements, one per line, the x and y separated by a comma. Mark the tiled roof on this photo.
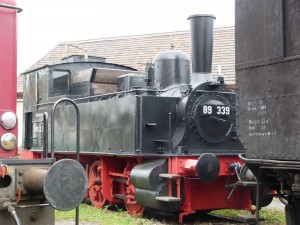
<point>135,51</point>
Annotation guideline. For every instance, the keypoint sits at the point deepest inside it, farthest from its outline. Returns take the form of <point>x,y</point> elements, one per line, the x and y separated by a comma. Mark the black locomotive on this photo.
<point>141,132</point>
<point>162,112</point>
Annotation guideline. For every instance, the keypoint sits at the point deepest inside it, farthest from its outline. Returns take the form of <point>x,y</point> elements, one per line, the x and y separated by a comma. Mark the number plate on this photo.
<point>215,110</point>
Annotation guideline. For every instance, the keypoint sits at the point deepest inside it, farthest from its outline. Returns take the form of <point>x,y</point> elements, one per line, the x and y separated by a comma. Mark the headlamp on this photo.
<point>8,120</point>
<point>8,141</point>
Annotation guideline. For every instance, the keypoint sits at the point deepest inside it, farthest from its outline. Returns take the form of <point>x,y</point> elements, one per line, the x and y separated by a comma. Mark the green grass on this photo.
<point>271,216</point>
<point>91,214</point>
<point>120,217</point>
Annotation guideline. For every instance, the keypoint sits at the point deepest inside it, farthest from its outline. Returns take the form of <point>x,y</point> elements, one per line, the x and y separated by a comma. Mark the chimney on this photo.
<point>202,29</point>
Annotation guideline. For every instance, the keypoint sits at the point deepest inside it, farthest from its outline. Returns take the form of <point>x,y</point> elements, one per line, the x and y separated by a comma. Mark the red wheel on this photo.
<point>131,205</point>
<point>95,184</point>
<point>134,209</point>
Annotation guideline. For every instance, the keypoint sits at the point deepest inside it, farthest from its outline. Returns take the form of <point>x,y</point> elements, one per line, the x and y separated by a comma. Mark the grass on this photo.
<point>120,217</point>
<point>271,216</point>
<point>107,217</point>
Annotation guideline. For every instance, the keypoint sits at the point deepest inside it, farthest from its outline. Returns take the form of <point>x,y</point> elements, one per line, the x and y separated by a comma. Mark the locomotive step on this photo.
<point>169,176</point>
<point>168,199</point>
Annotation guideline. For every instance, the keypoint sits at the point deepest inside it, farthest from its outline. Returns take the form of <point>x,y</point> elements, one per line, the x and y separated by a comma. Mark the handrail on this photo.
<point>11,7</point>
<point>77,126</point>
<point>77,137</point>
<point>116,94</point>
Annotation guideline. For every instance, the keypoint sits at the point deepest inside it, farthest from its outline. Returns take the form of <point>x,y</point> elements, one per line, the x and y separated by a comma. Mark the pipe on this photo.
<point>257,202</point>
<point>11,7</point>
<point>268,161</point>
<point>14,214</point>
<point>202,30</point>
<point>77,126</point>
<point>170,129</point>
<point>45,135</point>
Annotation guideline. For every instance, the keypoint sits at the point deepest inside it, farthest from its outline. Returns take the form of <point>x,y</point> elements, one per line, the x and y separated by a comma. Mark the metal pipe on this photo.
<point>11,7</point>
<point>282,200</point>
<point>170,130</point>
<point>257,202</point>
<point>77,126</point>
<point>202,30</point>
<point>77,216</point>
<point>45,135</point>
<point>268,161</point>
<point>14,214</point>
<point>32,206</point>
<point>16,218</point>
<point>109,95</point>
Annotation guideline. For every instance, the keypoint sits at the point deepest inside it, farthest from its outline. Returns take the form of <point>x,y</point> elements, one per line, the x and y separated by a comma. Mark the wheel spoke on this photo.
<point>95,191</point>
<point>131,205</point>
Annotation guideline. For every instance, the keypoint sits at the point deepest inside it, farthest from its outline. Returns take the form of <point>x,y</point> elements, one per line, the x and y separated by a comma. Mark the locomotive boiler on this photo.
<point>163,140</point>
<point>268,62</point>
<point>29,189</point>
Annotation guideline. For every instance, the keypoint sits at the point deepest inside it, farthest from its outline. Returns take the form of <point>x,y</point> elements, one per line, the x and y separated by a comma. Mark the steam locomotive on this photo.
<point>267,97</point>
<point>27,187</point>
<point>162,140</point>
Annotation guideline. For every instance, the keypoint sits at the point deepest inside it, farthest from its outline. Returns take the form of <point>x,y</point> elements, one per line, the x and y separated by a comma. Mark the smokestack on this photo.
<point>202,29</point>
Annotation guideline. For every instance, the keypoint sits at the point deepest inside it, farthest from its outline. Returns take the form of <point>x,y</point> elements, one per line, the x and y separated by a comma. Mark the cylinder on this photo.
<point>34,180</point>
<point>146,175</point>
<point>202,29</point>
<point>146,198</point>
